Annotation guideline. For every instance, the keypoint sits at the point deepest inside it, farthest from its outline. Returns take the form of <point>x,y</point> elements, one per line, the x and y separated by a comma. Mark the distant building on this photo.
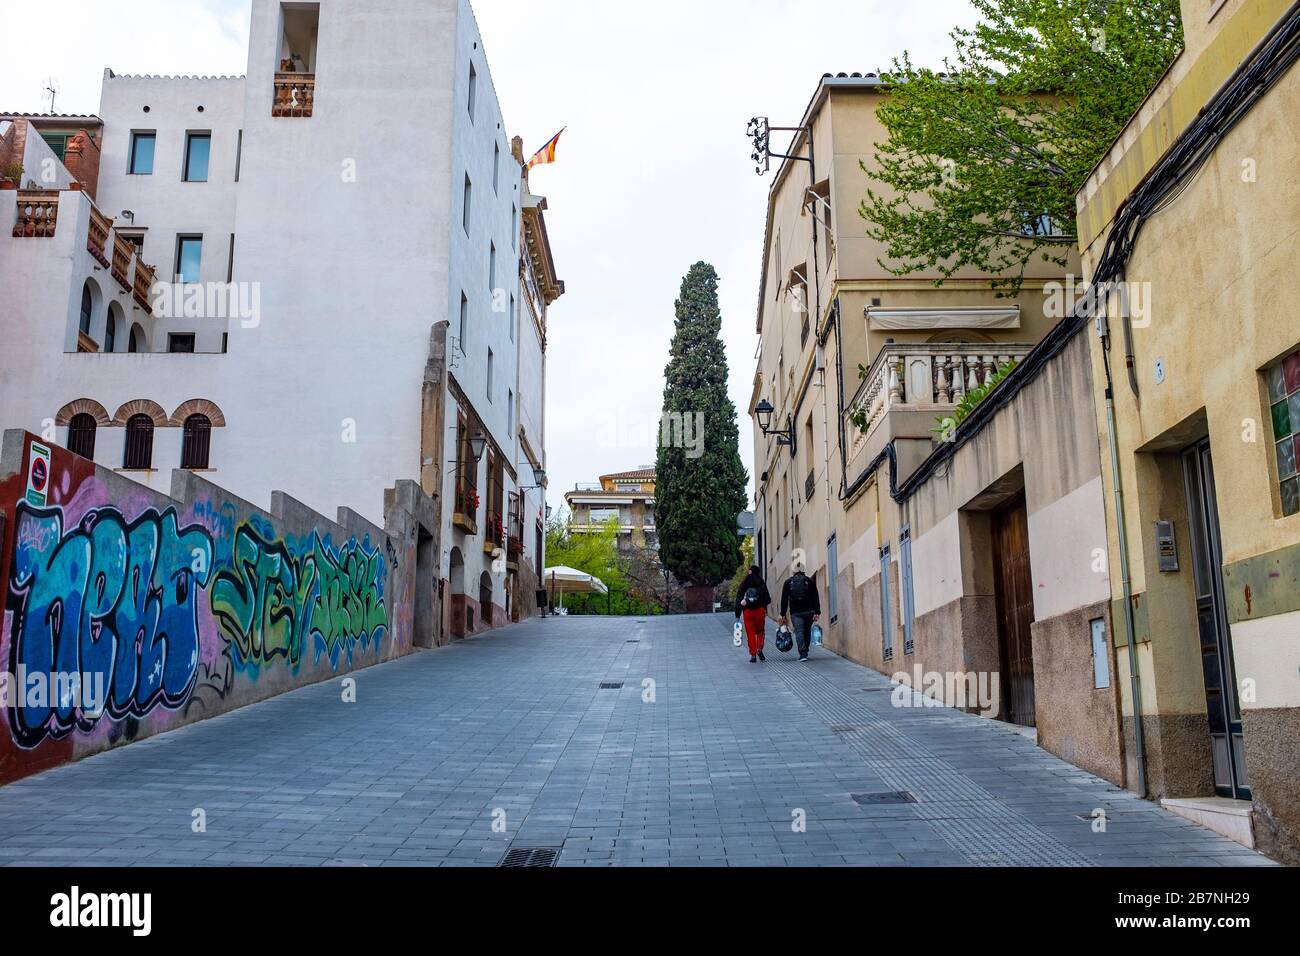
<point>628,498</point>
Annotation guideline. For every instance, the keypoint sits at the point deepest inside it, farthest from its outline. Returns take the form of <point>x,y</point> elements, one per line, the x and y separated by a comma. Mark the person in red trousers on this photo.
<point>752,602</point>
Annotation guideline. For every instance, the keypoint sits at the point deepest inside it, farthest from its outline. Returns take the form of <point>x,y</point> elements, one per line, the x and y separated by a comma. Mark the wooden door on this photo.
<point>1013,584</point>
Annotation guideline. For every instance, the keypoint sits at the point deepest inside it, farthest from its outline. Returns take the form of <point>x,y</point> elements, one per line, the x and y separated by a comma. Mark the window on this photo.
<point>239,154</point>
<point>514,226</point>
<point>489,375</point>
<point>492,268</point>
<point>469,196</point>
<point>139,444</point>
<point>196,442</point>
<point>473,89</point>
<point>464,320</point>
<point>832,578</point>
<point>81,435</point>
<point>909,599</point>
<point>496,168</point>
<point>514,316</point>
<point>136,239</point>
<point>110,332</point>
<point>142,154</point>
<point>58,143</point>
<point>1284,399</point>
<point>189,255</point>
<point>886,611</point>
<point>198,147</point>
<point>134,340</point>
<point>180,342</point>
<point>510,412</point>
<point>87,305</point>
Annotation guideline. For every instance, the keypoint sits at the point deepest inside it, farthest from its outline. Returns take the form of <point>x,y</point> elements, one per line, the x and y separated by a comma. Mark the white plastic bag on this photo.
<point>738,636</point>
<point>817,635</point>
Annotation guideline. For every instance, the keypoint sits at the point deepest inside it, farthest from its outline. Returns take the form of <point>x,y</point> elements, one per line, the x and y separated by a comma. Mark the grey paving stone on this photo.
<point>714,772</point>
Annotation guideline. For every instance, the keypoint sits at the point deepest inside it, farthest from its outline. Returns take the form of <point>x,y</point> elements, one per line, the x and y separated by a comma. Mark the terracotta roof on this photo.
<point>643,474</point>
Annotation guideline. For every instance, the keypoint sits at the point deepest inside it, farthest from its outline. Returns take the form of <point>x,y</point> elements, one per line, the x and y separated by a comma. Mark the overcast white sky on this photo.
<point>653,172</point>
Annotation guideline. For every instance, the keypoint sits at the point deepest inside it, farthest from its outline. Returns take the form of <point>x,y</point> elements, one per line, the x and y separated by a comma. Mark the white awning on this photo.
<point>924,320</point>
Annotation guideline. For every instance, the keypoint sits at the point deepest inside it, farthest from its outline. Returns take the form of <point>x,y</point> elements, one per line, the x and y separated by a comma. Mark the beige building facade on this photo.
<point>983,565</point>
<point>1206,427</point>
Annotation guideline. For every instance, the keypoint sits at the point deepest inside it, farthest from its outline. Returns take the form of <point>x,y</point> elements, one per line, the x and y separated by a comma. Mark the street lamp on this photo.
<point>784,436</point>
<point>477,446</point>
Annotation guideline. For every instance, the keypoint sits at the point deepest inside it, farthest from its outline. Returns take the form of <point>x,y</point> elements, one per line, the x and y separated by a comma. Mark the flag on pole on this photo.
<point>547,153</point>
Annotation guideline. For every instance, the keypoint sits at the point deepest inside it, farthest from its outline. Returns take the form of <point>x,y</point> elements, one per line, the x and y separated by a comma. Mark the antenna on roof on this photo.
<point>52,89</point>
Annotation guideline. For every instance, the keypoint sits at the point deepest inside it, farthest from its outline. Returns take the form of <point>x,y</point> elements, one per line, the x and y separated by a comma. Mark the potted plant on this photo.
<point>11,176</point>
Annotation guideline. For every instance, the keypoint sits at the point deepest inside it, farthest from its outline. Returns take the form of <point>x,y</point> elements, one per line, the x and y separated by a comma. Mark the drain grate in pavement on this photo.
<point>845,728</point>
<point>634,642</point>
<point>530,857</point>
<point>611,685</point>
<point>881,799</point>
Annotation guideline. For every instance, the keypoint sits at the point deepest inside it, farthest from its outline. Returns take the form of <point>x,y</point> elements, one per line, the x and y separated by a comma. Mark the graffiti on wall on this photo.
<point>274,604</point>
<point>109,604</point>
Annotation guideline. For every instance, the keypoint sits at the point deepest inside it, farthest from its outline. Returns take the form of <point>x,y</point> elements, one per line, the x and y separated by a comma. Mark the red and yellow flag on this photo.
<point>547,153</point>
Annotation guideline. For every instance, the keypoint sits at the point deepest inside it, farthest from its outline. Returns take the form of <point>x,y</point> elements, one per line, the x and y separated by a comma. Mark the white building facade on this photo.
<point>315,229</point>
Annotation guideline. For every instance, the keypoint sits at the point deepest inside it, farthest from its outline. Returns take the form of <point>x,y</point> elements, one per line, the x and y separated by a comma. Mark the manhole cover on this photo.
<point>612,685</point>
<point>879,799</point>
<point>530,856</point>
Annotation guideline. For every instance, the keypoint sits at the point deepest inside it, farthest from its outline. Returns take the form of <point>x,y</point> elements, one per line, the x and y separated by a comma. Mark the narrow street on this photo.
<point>715,763</point>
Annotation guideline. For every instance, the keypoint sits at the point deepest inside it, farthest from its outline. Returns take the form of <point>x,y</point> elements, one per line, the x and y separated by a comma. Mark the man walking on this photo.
<point>801,606</point>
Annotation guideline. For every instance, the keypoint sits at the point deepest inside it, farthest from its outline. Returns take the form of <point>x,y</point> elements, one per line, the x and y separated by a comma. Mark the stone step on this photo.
<point>1229,818</point>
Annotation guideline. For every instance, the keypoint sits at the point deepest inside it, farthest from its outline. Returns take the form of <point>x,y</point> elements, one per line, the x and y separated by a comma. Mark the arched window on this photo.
<point>110,332</point>
<point>196,442</point>
<point>139,443</point>
<point>81,435</point>
<point>87,306</point>
<point>135,340</point>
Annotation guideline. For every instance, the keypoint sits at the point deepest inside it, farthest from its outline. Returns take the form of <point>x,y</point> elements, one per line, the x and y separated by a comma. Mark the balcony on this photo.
<point>97,236</point>
<point>465,516</point>
<point>495,535</point>
<point>38,213</point>
<point>294,94</point>
<point>141,285</point>
<point>121,265</point>
<point>931,378</point>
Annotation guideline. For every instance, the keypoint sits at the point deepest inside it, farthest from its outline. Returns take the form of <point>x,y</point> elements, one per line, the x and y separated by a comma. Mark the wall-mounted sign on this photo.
<point>1167,547</point>
<point>38,475</point>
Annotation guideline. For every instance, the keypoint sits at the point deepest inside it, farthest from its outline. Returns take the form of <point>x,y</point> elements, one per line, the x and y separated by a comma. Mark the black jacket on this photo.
<point>811,604</point>
<point>764,596</point>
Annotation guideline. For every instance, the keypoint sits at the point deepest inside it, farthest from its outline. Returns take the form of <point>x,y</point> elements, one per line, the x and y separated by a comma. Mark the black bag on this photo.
<point>784,640</point>
<point>799,588</point>
<point>751,597</point>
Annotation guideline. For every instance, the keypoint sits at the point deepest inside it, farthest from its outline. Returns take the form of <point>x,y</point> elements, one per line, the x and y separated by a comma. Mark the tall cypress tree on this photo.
<point>700,482</point>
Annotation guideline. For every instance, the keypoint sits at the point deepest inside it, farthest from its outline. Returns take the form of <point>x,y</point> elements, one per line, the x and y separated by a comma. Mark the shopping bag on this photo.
<point>817,635</point>
<point>738,635</point>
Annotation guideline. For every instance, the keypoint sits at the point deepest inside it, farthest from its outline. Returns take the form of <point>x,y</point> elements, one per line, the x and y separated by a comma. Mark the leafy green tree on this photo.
<point>597,554</point>
<point>983,161</point>
<point>700,481</point>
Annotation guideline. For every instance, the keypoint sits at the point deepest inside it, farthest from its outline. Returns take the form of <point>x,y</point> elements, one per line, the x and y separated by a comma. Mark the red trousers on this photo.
<point>755,627</point>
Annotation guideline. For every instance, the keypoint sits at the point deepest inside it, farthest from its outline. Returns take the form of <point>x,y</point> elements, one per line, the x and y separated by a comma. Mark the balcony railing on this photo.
<point>294,94</point>
<point>38,213</point>
<point>121,267</point>
<point>928,376</point>
<point>144,274</point>
<point>97,236</point>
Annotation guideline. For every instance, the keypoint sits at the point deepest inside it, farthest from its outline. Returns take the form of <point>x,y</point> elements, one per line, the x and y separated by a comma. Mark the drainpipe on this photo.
<point>1103,332</point>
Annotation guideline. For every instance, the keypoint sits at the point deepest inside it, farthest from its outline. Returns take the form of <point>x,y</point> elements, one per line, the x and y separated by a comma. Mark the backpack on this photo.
<point>751,597</point>
<point>799,588</point>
